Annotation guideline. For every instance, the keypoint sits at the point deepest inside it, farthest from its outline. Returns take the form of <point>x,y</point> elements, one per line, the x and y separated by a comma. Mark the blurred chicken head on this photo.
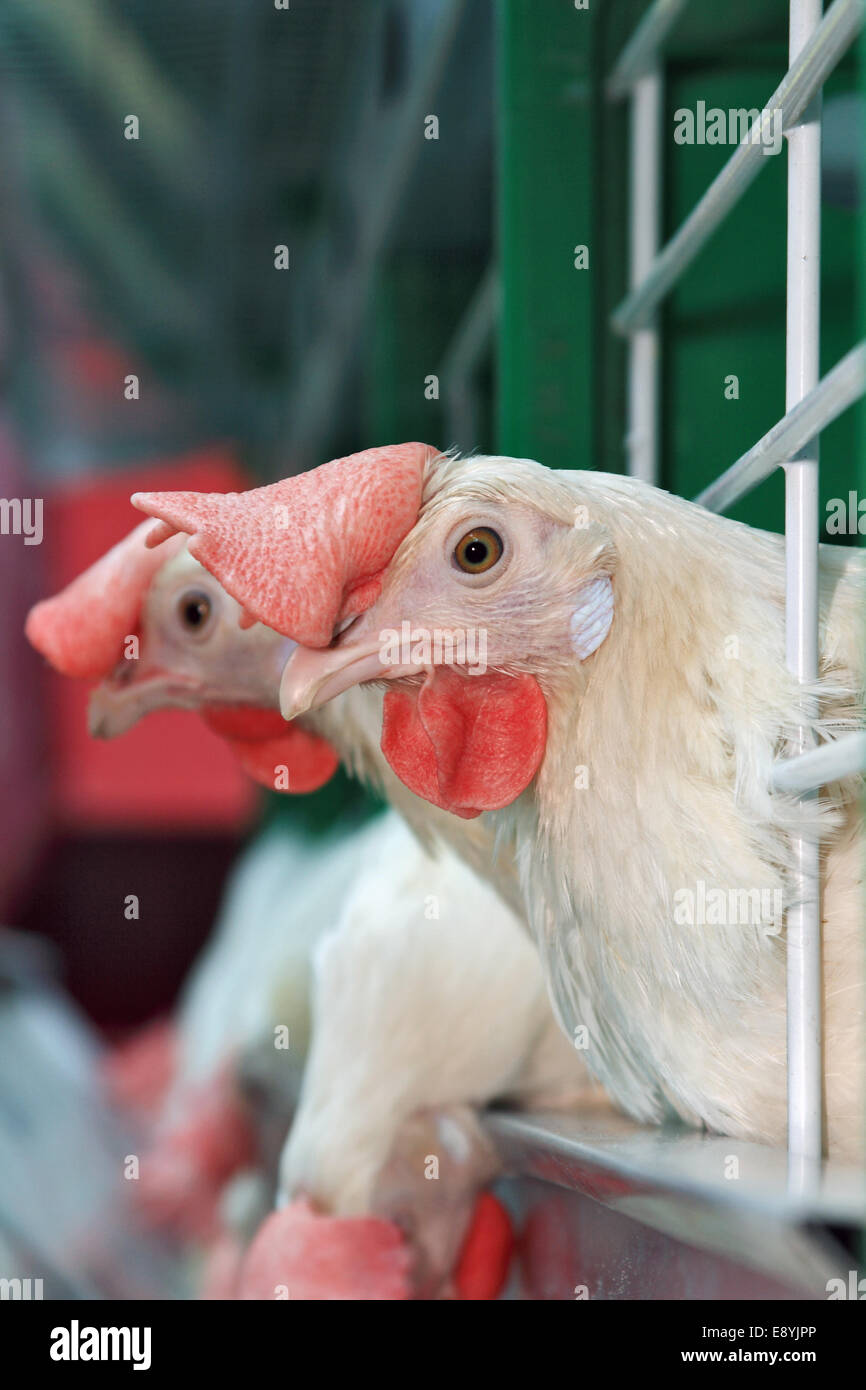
<point>161,633</point>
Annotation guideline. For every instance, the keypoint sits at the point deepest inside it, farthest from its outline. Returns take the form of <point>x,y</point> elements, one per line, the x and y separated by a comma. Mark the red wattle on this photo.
<point>265,745</point>
<point>244,722</point>
<point>466,743</point>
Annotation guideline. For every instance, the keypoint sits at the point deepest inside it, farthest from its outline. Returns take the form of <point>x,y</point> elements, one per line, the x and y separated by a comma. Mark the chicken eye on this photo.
<point>194,610</point>
<point>479,550</point>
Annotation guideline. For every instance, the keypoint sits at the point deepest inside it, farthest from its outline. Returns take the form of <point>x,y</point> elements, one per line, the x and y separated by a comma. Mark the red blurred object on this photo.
<point>549,1253</point>
<point>326,1258</point>
<point>184,1173</point>
<point>486,1255</point>
<point>139,1071</point>
<point>365,1257</point>
<point>170,771</point>
<point>261,739</point>
<point>222,1269</point>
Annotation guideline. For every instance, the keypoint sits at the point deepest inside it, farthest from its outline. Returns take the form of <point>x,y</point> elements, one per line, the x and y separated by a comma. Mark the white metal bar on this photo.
<point>843,757</point>
<point>641,52</point>
<point>805,77</point>
<point>645,178</point>
<point>839,389</point>
<point>803,928</point>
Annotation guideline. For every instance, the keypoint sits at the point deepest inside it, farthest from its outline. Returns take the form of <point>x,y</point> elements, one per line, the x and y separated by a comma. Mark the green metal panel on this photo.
<point>418,300</point>
<point>341,803</point>
<point>860,443</point>
<point>547,106</point>
<point>727,315</point>
<point>563,170</point>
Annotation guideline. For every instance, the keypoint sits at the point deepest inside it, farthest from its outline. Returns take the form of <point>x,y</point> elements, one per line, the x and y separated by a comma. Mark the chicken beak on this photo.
<point>313,676</point>
<point>117,704</point>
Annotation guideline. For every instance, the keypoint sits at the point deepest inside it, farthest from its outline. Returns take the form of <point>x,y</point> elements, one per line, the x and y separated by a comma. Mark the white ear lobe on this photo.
<point>592,616</point>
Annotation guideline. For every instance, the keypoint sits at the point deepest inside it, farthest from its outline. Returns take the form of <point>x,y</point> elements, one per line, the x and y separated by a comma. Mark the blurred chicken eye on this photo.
<point>478,550</point>
<point>194,610</point>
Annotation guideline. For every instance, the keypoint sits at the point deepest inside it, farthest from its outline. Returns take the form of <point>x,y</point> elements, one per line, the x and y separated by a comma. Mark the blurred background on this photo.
<point>238,238</point>
<point>149,338</point>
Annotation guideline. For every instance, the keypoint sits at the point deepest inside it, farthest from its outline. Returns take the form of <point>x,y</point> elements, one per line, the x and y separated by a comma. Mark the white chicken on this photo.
<point>617,732</point>
<point>414,1030</point>
<point>428,999</point>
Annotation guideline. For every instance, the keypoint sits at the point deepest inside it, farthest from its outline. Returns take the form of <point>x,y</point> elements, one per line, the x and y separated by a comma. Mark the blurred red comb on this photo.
<point>81,629</point>
<point>304,1256</point>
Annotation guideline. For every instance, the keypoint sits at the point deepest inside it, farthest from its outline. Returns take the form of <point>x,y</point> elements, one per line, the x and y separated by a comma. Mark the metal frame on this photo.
<point>803,334</point>
<point>840,388</point>
<point>644,218</point>
<point>802,82</point>
<point>816,45</point>
<point>678,1183</point>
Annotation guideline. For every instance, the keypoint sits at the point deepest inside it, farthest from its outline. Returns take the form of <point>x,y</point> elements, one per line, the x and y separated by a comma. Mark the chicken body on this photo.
<point>416,938</point>
<point>619,749</point>
<point>676,720</point>
<point>410,998</point>
<point>286,890</point>
<point>654,793</point>
<point>677,994</point>
<point>428,1005</point>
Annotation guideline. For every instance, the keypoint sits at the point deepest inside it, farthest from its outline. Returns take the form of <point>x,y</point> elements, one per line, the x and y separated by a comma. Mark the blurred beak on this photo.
<point>312,676</point>
<point>118,703</point>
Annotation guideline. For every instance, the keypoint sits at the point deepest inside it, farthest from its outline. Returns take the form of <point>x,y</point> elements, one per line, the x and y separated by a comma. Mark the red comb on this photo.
<point>81,630</point>
<point>304,1256</point>
<point>302,554</point>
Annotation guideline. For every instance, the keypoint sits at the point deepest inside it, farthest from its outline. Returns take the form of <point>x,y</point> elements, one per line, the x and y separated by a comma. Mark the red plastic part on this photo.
<point>482,1269</point>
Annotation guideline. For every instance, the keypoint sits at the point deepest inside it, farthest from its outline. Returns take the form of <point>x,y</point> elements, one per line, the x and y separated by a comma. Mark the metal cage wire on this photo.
<point>816,45</point>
